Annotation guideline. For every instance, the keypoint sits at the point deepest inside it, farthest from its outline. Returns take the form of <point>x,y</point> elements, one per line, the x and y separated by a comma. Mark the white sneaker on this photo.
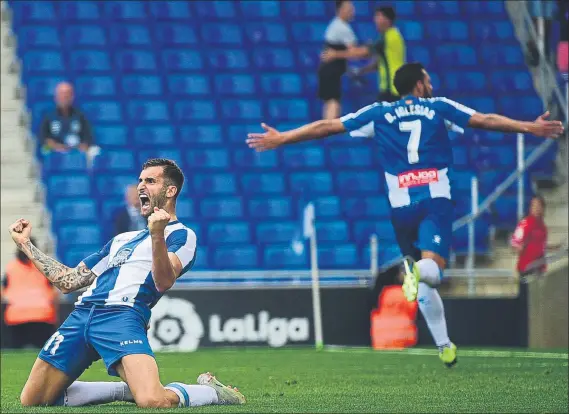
<point>226,394</point>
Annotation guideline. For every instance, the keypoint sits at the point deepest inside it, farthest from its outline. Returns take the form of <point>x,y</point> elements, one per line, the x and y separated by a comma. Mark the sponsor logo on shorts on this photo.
<point>437,239</point>
<point>416,178</point>
<point>131,342</point>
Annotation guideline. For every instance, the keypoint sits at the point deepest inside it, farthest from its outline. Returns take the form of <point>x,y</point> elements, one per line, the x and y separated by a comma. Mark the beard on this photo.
<point>157,201</point>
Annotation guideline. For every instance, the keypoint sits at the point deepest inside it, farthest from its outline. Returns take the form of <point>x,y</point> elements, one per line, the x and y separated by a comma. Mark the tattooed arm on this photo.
<point>64,278</point>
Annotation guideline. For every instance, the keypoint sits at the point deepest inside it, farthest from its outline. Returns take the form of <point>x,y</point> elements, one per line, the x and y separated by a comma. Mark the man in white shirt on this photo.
<point>339,36</point>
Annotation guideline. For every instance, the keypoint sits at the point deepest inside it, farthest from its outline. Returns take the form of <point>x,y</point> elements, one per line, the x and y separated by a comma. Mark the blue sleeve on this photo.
<point>370,113</point>
<point>97,262</point>
<point>182,242</point>
<point>453,111</point>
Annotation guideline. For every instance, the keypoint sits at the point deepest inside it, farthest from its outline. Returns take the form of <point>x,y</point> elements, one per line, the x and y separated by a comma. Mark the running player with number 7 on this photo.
<point>415,153</point>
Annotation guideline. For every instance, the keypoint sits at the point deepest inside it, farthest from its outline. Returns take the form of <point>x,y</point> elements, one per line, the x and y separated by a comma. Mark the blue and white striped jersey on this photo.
<point>414,145</point>
<point>124,268</point>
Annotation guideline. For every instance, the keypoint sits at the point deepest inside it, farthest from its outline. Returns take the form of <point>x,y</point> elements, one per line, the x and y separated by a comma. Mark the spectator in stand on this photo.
<point>31,303</point>
<point>128,217</point>
<point>66,127</point>
<point>546,11</point>
<point>563,46</point>
<point>338,36</point>
<point>530,239</point>
<point>387,53</point>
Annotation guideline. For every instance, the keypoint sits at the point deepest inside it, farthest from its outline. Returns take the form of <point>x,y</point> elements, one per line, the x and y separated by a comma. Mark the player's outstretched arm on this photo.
<point>541,127</point>
<point>272,138</point>
<point>166,266</point>
<point>64,278</point>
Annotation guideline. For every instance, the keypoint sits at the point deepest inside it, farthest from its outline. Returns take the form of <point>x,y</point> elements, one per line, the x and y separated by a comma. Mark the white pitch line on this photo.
<point>461,353</point>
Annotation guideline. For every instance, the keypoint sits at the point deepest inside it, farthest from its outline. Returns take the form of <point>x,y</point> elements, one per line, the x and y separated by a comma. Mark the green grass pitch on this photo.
<point>305,380</point>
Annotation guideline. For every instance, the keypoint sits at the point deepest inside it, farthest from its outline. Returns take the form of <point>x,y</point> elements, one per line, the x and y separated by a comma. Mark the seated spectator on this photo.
<point>128,217</point>
<point>66,127</point>
<point>31,303</point>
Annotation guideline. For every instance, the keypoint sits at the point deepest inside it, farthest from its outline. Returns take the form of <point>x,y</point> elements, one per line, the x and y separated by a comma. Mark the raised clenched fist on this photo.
<point>158,221</point>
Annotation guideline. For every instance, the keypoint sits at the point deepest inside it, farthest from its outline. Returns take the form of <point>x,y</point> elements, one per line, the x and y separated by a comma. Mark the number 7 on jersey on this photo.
<point>414,127</point>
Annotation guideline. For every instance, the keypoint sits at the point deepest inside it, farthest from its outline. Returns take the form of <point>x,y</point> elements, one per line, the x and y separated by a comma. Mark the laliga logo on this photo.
<point>175,325</point>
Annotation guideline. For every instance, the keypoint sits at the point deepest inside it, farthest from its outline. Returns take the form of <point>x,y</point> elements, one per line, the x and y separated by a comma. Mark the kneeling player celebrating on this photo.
<point>415,153</point>
<point>126,278</point>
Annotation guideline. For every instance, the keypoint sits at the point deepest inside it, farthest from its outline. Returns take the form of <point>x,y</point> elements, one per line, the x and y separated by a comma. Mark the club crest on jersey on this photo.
<point>120,258</point>
<point>416,178</point>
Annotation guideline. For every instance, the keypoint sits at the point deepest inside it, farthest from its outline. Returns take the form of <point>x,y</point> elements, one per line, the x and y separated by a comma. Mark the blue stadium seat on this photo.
<point>215,159</point>
<point>366,207</point>
<point>40,88</point>
<point>179,85</point>
<point>480,104</point>
<point>109,207</point>
<point>61,162</point>
<point>243,257</point>
<point>39,109</point>
<point>95,87</point>
<point>448,31</point>
<point>351,157</point>
<point>221,34</point>
<point>113,185</point>
<point>215,9</point>
<point>387,253</point>
<point>359,182</point>
<point>72,235</point>
<point>285,84</point>
<point>455,55</point>
<point>363,229</point>
<point>262,183</point>
<point>152,136</point>
<point>88,36</point>
<point>502,55</point>
<point>411,31</point>
<point>181,60</point>
<point>332,231</point>
<point>481,238</point>
<point>185,209</point>
<point>309,57</point>
<point>338,256</point>
<point>274,58</point>
<point>438,9</point>
<point>171,154</point>
<point>125,10</point>
<point>325,206</point>
<point>175,35</point>
<point>504,212</point>
<point>521,107</point>
<point>48,63</point>
<point>195,110</point>
<point>130,35</point>
<point>303,157</point>
<point>32,12</point>
<point>39,37</point>
<point>365,32</point>
<point>85,61</point>
<point>280,257</point>
<point>419,54</point>
<point>311,183</point>
<point>486,8</point>
<point>76,185</point>
<point>147,85</point>
<point>278,232</point>
<point>148,111</point>
<point>260,9</point>
<point>305,10</point>
<point>111,136</point>
<point>115,161</point>
<point>228,59</point>
<point>103,111</point>
<point>492,30</point>
<point>269,208</point>
<point>490,179</point>
<point>246,159</point>
<point>237,133</point>
<point>494,157</point>
<point>461,80</point>
<point>78,11</point>
<point>214,184</point>
<point>308,32</point>
<point>221,208</point>
<point>288,110</point>
<point>200,134</point>
<point>234,84</point>
<point>461,180</point>
<point>170,10</point>
<point>221,233</point>
<point>75,255</point>
<point>135,61</point>
<point>202,258</point>
<point>241,109</point>
<point>266,33</point>
<point>461,156</point>
<point>511,82</point>
<point>82,209</point>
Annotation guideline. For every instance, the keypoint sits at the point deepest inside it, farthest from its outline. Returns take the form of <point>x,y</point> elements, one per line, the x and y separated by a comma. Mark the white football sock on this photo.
<point>430,272</point>
<point>193,395</point>
<point>433,311</point>
<point>82,393</point>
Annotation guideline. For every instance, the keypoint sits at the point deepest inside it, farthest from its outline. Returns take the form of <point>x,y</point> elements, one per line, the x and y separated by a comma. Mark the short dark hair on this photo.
<point>539,198</point>
<point>172,173</point>
<point>339,4</point>
<point>387,11</point>
<point>407,77</point>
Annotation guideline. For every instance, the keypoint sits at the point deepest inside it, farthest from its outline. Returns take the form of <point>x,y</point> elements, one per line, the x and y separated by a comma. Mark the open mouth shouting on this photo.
<point>144,204</point>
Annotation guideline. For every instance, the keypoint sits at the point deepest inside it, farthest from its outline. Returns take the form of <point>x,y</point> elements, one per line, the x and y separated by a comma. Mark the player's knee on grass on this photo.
<point>44,385</point>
